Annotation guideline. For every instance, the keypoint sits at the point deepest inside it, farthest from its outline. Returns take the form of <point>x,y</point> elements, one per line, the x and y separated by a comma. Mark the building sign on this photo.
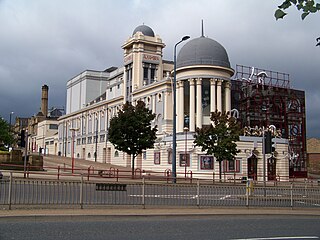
<point>128,59</point>
<point>150,58</point>
<point>184,159</point>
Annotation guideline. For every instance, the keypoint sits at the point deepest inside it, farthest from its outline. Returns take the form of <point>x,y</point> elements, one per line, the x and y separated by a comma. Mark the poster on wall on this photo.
<point>206,162</point>
<point>184,159</point>
<point>157,158</point>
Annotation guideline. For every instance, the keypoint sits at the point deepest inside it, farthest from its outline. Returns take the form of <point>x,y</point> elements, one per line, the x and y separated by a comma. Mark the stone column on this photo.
<point>213,95</point>
<point>192,109</point>
<point>228,97</point>
<point>219,95</point>
<point>180,106</point>
<point>199,102</point>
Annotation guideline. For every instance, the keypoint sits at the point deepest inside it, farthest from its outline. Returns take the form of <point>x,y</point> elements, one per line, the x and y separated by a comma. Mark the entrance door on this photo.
<point>272,169</point>
<point>252,167</point>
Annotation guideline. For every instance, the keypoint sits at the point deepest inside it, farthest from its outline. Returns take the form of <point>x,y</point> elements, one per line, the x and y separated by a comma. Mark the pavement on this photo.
<point>74,214</point>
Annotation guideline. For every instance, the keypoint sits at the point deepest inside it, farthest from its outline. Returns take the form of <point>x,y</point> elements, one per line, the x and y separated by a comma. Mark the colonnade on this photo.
<point>217,86</point>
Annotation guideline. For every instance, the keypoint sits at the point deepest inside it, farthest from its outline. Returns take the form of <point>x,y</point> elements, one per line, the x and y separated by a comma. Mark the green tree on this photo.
<point>6,137</point>
<point>306,6</point>
<point>131,132</point>
<point>219,139</point>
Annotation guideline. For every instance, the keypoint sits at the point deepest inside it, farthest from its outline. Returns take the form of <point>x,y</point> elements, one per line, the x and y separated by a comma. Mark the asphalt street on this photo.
<point>164,227</point>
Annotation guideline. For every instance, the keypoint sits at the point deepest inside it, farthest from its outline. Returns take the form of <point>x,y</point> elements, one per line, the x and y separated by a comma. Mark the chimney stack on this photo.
<point>44,100</point>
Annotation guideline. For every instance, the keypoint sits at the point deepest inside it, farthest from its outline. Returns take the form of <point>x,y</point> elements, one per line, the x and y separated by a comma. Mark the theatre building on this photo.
<point>204,76</point>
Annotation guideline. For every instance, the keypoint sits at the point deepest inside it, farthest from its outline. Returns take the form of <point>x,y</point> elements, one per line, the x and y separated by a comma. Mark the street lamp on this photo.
<point>185,152</point>
<point>72,148</point>
<point>174,133</point>
<point>10,115</point>
<point>96,147</point>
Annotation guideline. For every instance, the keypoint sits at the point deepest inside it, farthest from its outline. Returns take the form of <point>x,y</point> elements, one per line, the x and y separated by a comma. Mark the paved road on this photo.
<point>163,227</point>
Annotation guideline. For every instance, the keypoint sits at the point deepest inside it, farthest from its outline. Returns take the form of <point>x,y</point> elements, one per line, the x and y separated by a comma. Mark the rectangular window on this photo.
<point>84,141</point>
<point>78,141</point>
<point>231,166</point>
<point>157,158</point>
<point>89,140</point>
<point>102,138</point>
<point>206,162</point>
<point>145,73</point>
<point>153,74</point>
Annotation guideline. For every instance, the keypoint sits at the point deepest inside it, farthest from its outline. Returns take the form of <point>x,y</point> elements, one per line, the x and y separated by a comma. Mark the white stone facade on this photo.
<point>201,89</point>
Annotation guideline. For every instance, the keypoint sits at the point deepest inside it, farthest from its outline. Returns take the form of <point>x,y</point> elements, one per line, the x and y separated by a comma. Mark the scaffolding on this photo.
<point>264,98</point>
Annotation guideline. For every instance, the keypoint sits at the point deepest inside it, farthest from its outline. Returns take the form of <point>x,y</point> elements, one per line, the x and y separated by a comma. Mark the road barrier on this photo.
<point>20,191</point>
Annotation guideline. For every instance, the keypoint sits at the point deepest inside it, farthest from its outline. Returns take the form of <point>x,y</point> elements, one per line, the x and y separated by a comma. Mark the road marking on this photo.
<point>225,197</point>
<point>186,196</point>
<point>279,238</point>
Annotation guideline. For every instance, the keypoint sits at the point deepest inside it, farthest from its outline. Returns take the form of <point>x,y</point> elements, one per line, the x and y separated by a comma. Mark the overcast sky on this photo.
<point>49,42</point>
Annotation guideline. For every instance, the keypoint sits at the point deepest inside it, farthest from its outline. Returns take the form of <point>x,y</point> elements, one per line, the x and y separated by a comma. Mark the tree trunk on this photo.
<point>132,165</point>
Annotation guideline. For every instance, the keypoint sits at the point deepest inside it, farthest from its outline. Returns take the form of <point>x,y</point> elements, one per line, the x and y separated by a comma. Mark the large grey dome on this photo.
<point>146,30</point>
<point>203,51</point>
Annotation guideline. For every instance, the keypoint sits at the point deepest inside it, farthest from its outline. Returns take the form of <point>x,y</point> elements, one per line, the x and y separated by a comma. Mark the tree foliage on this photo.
<point>219,139</point>
<point>306,6</point>
<point>131,132</point>
<point>6,137</point>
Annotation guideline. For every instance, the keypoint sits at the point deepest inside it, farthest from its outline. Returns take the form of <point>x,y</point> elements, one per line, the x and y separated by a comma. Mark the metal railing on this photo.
<point>20,191</point>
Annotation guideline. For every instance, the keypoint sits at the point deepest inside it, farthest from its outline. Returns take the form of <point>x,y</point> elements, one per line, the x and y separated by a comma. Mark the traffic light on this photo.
<point>268,142</point>
<point>273,146</point>
<point>21,139</point>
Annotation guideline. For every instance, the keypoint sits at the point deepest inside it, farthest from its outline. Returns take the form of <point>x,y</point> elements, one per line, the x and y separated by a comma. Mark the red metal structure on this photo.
<point>263,98</point>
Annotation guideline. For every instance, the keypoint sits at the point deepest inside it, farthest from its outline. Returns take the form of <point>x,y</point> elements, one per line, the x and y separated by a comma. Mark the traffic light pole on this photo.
<point>25,154</point>
<point>264,159</point>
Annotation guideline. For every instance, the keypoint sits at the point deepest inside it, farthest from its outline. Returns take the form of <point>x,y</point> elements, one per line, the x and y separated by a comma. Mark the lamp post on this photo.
<point>10,115</point>
<point>174,132</point>
<point>72,148</point>
<point>96,147</point>
<point>185,152</point>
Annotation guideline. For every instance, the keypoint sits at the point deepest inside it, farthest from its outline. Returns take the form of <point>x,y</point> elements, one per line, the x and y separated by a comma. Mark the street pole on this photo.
<point>185,152</point>
<point>264,159</point>
<point>72,147</point>
<point>25,154</point>
<point>10,128</point>
<point>174,131</point>
<point>96,147</point>
<point>72,153</point>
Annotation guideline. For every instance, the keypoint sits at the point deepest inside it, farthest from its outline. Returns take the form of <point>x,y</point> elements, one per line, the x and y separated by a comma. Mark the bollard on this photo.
<point>59,172</point>
<point>249,187</point>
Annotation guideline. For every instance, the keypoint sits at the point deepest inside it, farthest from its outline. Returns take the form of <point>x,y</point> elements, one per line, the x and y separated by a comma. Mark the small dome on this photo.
<point>146,30</point>
<point>203,51</point>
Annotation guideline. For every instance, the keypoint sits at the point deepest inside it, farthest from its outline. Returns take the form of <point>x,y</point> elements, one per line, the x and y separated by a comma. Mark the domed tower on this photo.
<point>203,82</point>
<point>142,60</point>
